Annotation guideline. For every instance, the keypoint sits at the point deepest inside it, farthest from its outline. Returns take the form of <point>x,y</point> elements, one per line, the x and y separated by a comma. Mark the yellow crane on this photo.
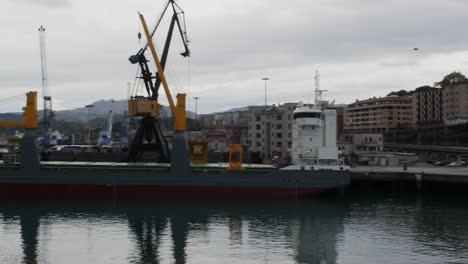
<point>30,113</point>
<point>29,155</point>
<point>178,110</point>
<point>180,162</point>
<point>149,136</point>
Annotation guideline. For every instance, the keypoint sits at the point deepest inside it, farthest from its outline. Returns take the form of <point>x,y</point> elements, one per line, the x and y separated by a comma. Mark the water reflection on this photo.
<point>29,222</point>
<point>147,231</point>
<point>322,231</point>
<point>308,230</point>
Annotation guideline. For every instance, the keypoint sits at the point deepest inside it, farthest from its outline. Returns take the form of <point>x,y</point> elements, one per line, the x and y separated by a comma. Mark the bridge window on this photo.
<point>309,115</point>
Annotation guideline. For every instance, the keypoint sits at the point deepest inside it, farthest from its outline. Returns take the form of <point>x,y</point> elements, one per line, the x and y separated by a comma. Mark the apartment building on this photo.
<point>455,103</point>
<point>269,129</point>
<point>379,115</point>
<point>221,120</point>
<point>340,117</point>
<point>427,106</point>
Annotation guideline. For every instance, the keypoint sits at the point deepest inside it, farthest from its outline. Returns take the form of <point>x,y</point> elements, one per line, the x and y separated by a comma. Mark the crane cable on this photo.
<point>12,99</point>
<point>18,96</point>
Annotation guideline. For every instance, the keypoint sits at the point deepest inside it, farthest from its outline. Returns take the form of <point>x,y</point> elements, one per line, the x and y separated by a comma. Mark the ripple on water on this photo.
<point>391,228</point>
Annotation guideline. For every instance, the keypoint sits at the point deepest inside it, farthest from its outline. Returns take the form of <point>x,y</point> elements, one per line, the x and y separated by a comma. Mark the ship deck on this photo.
<point>136,165</point>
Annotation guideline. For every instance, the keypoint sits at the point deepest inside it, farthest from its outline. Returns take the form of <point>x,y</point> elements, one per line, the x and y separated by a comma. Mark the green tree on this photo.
<point>452,78</point>
<point>400,93</point>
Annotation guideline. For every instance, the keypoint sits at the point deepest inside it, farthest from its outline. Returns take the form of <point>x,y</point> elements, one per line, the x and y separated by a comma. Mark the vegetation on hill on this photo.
<point>400,93</point>
<point>452,78</point>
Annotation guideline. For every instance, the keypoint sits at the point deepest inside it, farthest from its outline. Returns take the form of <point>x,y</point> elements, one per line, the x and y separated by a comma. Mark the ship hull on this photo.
<point>85,183</point>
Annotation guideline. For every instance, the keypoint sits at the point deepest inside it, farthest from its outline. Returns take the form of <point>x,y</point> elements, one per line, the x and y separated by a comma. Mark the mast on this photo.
<point>318,92</point>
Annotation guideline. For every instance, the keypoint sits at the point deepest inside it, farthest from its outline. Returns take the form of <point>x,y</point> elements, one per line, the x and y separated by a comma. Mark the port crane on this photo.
<point>48,114</point>
<point>149,137</point>
<point>105,135</point>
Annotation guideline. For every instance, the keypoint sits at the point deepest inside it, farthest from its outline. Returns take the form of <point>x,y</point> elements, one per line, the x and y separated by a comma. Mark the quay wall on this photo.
<point>413,179</point>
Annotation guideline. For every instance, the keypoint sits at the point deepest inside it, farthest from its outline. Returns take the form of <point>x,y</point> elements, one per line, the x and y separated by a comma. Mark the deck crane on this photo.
<point>29,161</point>
<point>149,137</point>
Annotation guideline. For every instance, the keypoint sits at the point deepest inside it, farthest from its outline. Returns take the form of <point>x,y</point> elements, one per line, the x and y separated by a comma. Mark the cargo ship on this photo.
<point>316,166</point>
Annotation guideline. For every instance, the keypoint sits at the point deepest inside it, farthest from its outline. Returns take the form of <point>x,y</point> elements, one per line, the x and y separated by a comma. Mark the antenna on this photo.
<point>318,92</point>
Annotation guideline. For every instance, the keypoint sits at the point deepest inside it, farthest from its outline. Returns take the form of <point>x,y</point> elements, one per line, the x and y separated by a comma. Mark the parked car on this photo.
<point>440,163</point>
<point>456,164</point>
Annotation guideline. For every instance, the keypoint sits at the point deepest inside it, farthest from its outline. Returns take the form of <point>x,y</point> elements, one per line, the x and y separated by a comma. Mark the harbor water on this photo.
<point>357,227</point>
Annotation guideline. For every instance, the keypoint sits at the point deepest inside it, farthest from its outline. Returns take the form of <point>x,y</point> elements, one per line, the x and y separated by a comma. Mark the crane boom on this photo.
<point>179,110</point>
<point>158,64</point>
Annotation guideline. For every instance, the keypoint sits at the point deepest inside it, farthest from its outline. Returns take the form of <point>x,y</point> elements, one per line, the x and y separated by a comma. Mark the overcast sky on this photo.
<point>361,48</point>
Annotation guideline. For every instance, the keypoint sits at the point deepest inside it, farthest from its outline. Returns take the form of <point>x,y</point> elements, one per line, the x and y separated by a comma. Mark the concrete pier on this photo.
<point>421,174</point>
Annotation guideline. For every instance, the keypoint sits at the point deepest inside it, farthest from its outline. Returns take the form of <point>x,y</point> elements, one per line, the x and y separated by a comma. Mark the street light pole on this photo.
<point>196,106</point>
<point>89,124</point>
<point>266,79</point>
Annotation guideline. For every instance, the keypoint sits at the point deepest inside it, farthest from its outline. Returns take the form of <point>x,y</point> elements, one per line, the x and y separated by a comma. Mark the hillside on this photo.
<point>80,115</point>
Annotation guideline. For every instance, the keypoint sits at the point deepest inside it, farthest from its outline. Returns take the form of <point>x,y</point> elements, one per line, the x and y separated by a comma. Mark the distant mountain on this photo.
<point>100,110</point>
<point>237,109</point>
<point>11,117</point>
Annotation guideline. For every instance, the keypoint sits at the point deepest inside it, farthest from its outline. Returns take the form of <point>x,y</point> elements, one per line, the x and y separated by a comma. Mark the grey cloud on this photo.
<point>234,42</point>
<point>48,3</point>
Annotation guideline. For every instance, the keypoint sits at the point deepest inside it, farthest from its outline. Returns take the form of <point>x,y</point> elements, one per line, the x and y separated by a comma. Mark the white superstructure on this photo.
<point>314,137</point>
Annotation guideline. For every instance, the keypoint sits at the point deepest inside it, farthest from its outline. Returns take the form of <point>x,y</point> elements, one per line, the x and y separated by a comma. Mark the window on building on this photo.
<point>279,117</point>
<point>279,126</point>
<point>257,118</point>
<point>279,144</point>
<point>279,135</point>
<point>258,144</point>
<point>258,127</point>
<point>258,135</point>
